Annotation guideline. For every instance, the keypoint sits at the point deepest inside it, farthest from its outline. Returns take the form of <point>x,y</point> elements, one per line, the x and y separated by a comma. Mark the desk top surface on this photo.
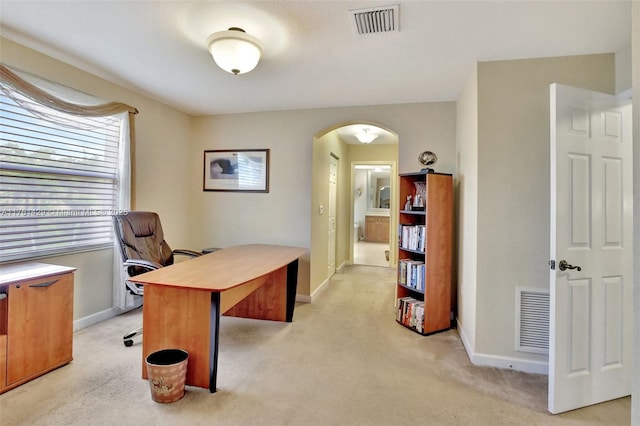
<point>223,269</point>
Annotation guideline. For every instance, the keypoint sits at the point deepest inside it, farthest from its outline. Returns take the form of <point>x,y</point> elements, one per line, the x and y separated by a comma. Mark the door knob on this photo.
<point>564,266</point>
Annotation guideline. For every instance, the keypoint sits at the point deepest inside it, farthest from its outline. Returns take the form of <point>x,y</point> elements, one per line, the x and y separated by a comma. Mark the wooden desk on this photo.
<point>183,302</point>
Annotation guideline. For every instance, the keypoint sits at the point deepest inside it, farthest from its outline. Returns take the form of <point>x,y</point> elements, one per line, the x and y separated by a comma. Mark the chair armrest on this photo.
<point>185,252</point>
<point>142,263</point>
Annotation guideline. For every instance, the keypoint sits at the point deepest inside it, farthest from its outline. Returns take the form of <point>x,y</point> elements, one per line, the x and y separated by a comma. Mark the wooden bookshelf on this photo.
<point>425,233</point>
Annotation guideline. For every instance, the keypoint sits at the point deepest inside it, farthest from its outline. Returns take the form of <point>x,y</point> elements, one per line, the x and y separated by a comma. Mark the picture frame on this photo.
<point>236,170</point>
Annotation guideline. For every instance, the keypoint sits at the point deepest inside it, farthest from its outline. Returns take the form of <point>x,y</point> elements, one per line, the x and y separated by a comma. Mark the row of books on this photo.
<point>412,237</point>
<point>411,313</point>
<point>411,273</point>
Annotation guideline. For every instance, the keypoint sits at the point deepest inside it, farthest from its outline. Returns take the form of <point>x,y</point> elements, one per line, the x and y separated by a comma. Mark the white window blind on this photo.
<point>58,179</point>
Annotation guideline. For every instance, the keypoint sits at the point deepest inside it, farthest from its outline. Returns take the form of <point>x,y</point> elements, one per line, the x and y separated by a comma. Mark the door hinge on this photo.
<point>552,265</point>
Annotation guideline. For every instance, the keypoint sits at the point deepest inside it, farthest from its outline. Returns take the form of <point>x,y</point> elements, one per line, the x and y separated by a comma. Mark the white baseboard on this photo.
<point>303,298</point>
<point>487,360</point>
<point>308,299</point>
<point>463,337</point>
<point>92,319</point>
<point>524,365</point>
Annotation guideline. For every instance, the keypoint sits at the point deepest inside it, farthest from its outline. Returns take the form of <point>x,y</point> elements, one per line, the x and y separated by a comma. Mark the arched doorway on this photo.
<point>340,142</point>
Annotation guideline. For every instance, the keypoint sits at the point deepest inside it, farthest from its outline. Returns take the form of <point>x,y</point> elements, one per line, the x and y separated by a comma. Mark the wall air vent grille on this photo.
<point>375,20</point>
<point>532,320</point>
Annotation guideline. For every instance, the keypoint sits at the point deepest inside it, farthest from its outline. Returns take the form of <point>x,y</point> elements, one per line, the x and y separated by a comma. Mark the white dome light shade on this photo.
<point>365,137</point>
<point>234,50</point>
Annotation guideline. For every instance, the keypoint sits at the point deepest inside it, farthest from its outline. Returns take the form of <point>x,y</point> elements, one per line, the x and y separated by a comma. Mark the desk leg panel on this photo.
<point>214,319</point>
<point>179,318</point>
<point>268,301</point>
<point>292,288</point>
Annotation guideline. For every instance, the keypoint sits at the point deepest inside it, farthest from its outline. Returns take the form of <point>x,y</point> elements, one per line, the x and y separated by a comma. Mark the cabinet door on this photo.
<point>370,228</point>
<point>3,361</point>
<point>377,229</point>
<point>40,326</point>
<point>383,229</point>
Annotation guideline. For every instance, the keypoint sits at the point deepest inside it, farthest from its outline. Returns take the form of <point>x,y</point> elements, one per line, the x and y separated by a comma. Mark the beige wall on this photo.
<point>324,147</point>
<point>635,46</point>
<point>163,135</point>
<point>623,69</point>
<point>373,153</point>
<point>467,208</point>
<point>513,185</point>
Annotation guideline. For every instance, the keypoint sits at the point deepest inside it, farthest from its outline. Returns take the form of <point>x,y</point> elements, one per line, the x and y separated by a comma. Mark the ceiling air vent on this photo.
<point>375,20</point>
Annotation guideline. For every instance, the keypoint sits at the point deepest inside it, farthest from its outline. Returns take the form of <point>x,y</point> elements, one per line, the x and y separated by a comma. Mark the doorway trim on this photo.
<point>393,179</point>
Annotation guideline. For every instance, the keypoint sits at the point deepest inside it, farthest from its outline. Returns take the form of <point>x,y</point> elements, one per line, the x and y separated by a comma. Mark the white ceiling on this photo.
<point>312,57</point>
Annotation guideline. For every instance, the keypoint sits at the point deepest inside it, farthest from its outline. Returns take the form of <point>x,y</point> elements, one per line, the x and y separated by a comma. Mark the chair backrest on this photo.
<point>140,236</point>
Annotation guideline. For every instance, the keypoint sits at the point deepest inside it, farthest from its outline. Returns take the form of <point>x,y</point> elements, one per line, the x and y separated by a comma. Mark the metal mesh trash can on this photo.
<point>167,372</point>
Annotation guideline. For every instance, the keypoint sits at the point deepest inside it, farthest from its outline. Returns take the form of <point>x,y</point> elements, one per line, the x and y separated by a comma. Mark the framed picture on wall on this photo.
<point>239,170</point>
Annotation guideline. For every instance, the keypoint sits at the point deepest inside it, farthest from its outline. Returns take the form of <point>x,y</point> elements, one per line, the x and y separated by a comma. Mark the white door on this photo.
<point>590,344</point>
<point>333,186</point>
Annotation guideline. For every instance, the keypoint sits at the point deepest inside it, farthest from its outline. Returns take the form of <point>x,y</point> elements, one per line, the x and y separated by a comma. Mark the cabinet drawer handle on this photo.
<point>47,284</point>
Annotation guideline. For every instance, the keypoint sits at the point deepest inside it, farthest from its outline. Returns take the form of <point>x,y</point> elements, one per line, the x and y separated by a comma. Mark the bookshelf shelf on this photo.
<point>413,289</point>
<point>412,251</point>
<point>423,290</point>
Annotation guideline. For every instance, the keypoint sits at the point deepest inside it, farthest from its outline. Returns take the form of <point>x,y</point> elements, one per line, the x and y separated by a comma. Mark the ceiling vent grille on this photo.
<point>375,20</point>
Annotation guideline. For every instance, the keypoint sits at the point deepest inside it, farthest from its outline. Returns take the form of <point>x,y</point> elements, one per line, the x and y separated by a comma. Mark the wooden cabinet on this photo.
<point>36,321</point>
<point>376,229</point>
<point>425,238</point>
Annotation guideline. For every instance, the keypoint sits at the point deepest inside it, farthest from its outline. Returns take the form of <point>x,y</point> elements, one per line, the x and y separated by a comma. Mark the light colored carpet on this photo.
<point>368,253</point>
<point>343,361</point>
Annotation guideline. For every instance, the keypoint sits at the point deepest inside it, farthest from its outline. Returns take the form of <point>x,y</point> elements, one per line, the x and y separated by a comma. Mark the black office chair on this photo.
<point>143,248</point>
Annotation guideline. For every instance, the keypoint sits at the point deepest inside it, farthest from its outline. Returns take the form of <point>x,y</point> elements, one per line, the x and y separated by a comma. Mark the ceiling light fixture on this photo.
<point>234,50</point>
<point>365,137</point>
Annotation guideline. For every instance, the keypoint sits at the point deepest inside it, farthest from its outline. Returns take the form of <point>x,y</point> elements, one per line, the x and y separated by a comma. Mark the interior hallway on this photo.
<point>372,254</point>
<point>343,361</point>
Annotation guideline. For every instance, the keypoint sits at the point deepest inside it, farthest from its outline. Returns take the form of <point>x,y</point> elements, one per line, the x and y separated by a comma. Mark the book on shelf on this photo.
<point>402,272</point>
<point>412,237</point>
<point>418,318</point>
<point>411,273</point>
<point>411,313</point>
<point>402,305</point>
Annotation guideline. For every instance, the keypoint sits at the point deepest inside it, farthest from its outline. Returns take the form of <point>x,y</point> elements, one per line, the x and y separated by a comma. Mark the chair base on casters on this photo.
<point>127,339</point>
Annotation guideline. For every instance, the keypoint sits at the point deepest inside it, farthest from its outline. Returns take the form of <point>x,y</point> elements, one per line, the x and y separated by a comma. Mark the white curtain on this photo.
<point>122,299</point>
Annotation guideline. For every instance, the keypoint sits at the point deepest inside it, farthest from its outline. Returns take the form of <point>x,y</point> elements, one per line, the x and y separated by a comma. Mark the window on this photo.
<point>62,176</point>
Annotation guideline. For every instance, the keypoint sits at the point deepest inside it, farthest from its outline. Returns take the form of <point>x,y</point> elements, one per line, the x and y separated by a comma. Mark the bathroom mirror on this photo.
<point>384,197</point>
<point>379,188</point>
